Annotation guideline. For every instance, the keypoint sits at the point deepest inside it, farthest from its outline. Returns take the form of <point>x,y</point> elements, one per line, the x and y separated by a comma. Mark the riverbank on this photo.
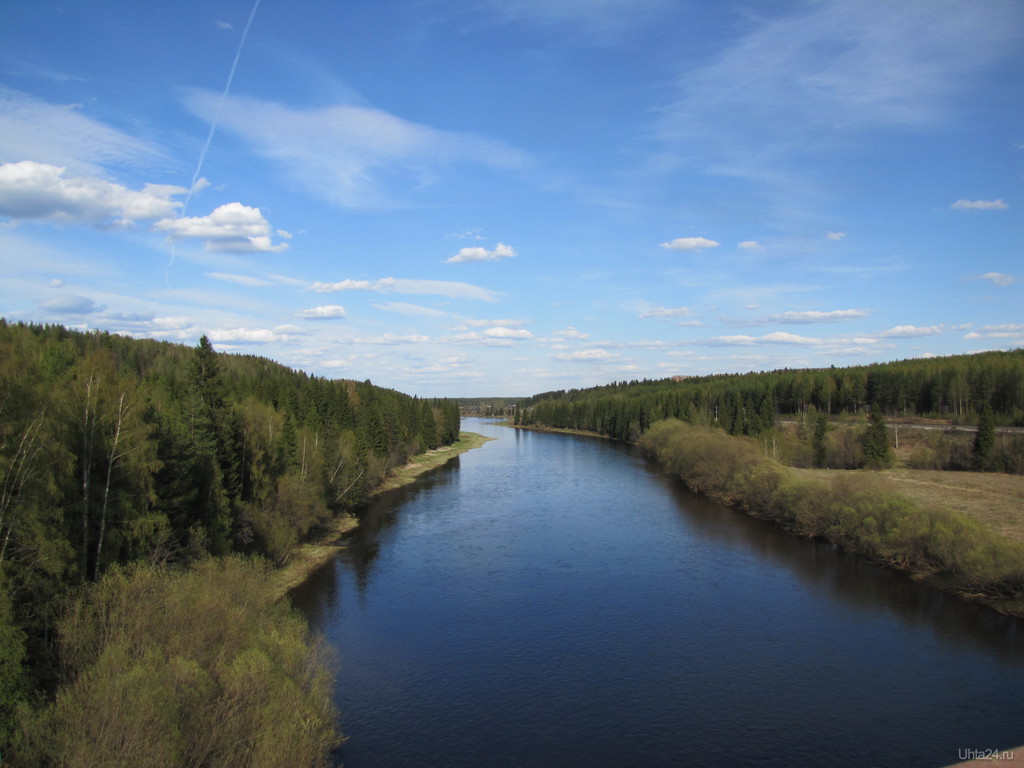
<point>310,555</point>
<point>917,532</point>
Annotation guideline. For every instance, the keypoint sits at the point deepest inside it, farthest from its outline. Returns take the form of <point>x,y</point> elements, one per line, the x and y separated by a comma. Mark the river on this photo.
<point>553,600</point>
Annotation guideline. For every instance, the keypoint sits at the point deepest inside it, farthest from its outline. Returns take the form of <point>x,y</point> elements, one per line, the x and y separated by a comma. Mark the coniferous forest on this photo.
<point>125,464</point>
<point>985,389</point>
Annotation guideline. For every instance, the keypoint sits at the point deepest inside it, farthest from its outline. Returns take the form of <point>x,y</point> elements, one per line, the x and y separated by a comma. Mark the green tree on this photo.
<point>984,441</point>
<point>13,681</point>
<point>875,440</point>
<point>818,444</point>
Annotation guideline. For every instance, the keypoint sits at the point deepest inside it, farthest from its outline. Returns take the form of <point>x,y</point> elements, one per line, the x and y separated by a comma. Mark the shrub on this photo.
<point>198,667</point>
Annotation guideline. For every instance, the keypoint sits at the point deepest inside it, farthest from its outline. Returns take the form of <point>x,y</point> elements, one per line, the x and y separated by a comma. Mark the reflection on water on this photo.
<point>555,600</point>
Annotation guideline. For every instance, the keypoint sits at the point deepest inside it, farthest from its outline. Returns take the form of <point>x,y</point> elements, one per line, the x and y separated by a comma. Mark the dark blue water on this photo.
<point>549,600</point>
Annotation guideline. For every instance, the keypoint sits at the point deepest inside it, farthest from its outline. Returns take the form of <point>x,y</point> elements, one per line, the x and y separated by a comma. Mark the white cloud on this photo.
<point>508,333</point>
<point>999,278</point>
<point>835,235</point>
<point>501,251</point>
<point>979,205</point>
<point>779,337</point>
<point>834,316</point>
<point>690,244</point>
<point>1003,331</point>
<point>505,323</point>
<point>911,331</point>
<point>351,155</point>
<point>751,245</point>
<point>233,228</point>
<point>253,335</point>
<point>31,190</point>
<point>571,333</point>
<point>342,285</point>
<point>223,25</point>
<point>326,312</point>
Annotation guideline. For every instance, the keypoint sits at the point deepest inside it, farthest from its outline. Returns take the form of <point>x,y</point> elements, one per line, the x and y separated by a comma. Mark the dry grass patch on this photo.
<point>994,500</point>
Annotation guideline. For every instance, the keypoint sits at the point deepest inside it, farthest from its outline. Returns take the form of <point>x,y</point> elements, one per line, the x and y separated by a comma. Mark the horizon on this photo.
<point>453,199</point>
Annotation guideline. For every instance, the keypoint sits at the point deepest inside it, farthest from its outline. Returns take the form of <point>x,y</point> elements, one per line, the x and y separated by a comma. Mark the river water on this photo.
<point>551,600</point>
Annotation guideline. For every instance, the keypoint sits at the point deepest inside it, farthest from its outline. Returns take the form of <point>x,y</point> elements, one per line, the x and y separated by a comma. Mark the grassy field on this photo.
<point>996,501</point>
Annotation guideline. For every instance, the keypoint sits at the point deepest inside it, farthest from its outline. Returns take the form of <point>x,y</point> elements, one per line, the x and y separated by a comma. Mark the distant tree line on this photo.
<point>985,389</point>
<point>115,450</point>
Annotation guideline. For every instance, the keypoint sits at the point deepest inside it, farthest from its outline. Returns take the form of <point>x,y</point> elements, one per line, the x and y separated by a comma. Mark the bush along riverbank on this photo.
<point>853,511</point>
<point>301,560</point>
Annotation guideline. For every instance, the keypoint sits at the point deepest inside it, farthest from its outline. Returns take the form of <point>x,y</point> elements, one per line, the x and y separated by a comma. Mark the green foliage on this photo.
<point>948,387</point>
<point>13,679</point>
<point>854,511</point>
<point>875,441</point>
<point>818,440</point>
<point>984,442</point>
<point>194,667</point>
<point>115,450</point>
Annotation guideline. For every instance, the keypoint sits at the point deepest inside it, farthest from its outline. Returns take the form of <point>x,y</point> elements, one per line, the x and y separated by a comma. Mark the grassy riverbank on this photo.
<point>308,556</point>
<point>946,530</point>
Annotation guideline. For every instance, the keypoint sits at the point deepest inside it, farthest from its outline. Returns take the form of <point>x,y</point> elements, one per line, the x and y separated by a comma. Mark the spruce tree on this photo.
<point>877,452</point>
<point>984,441</point>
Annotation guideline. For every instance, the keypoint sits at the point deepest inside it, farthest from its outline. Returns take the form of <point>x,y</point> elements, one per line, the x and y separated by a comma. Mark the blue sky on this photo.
<point>503,197</point>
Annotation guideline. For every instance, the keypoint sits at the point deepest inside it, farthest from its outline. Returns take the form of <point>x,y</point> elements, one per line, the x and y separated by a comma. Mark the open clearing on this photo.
<point>995,500</point>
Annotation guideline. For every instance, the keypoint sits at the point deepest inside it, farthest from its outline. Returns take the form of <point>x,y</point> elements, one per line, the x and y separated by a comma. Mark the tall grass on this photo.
<point>856,512</point>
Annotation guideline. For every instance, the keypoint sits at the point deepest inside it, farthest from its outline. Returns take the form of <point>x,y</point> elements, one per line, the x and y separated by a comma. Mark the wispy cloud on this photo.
<point>415,310</point>
<point>71,304</point>
<point>998,278</point>
<point>453,290</point>
<point>1005,331</point>
<point>64,136</point>
<point>594,355</point>
<point>838,67</point>
<point>602,22</point>
<point>979,205</point>
<point>246,280</point>
<point>668,312</point>
<point>911,331</point>
<point>353,156</point>
<point>833,316</point>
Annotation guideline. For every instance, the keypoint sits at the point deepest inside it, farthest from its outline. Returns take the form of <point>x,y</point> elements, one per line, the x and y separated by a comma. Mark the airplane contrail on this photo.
<point>213,129</point>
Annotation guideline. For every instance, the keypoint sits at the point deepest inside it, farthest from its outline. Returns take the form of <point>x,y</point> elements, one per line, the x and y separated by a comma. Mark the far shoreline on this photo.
<point>307,557</point>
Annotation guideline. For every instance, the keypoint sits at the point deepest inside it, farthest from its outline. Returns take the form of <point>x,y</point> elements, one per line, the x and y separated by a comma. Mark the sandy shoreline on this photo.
<point>309,556</point>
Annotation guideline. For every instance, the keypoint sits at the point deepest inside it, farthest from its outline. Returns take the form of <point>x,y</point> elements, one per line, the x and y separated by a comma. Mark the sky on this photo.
<point>506,197</point>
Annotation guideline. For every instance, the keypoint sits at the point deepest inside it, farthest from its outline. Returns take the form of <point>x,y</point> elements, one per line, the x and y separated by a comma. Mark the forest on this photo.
<point>132,462</point>
<point>985,389</point>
